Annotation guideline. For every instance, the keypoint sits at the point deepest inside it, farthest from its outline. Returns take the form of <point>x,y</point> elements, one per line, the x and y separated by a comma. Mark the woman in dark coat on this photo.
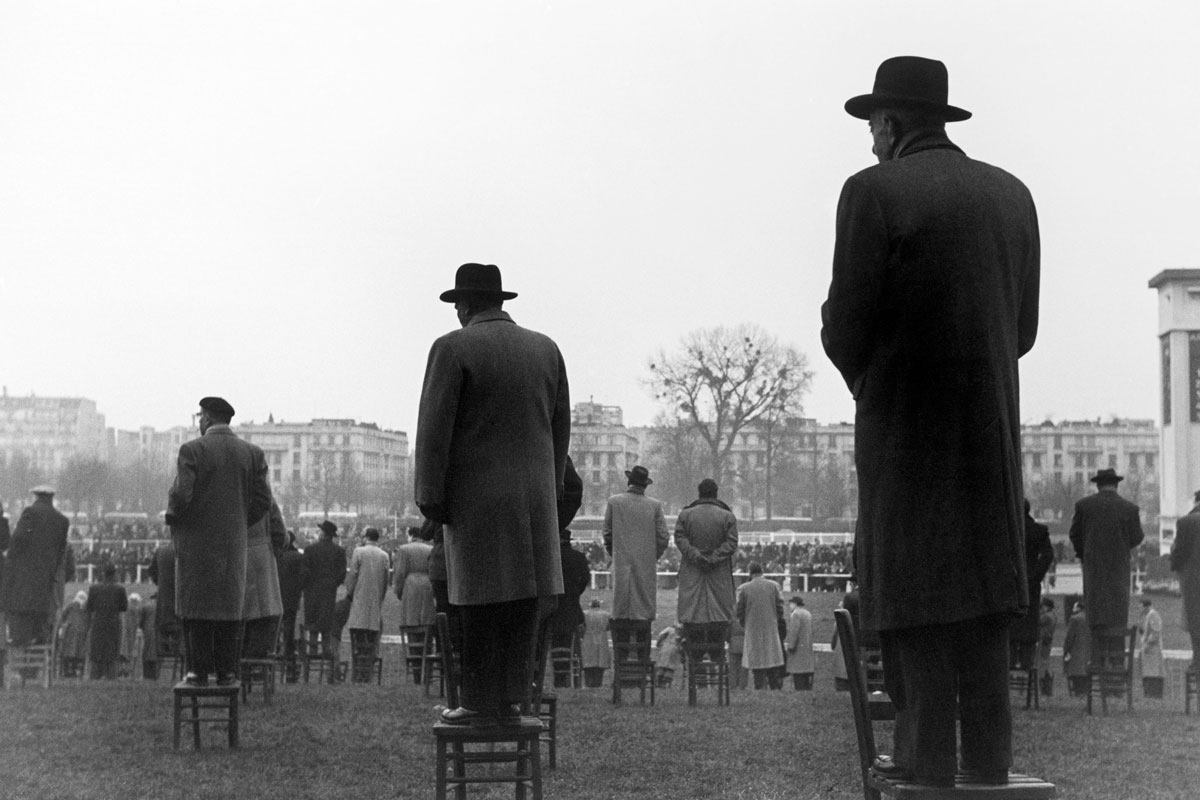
<point>72,636</point>
<point>105,604</point>
<point>1023,633</point>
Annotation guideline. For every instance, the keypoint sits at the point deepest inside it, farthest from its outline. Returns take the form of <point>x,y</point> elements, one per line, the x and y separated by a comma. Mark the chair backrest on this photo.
<point>857,679</point>
<point>449,667</point>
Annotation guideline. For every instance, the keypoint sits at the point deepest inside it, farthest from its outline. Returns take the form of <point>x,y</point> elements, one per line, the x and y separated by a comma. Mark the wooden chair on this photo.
<point>879,704</point>
<point>1019,787</point>
<point>632,665</point>
<point>1110,672</point>
<point>1024,680</point>
<point>261,671</point>
<point>462,746</point>
<point>703,670</point>
<point>1189,689</point>
<point>217,704</point>
<point>567,659</point>
<point>31,662</point>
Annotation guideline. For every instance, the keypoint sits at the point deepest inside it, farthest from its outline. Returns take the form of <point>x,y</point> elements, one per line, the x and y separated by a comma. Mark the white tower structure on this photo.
<point>1179,352</point>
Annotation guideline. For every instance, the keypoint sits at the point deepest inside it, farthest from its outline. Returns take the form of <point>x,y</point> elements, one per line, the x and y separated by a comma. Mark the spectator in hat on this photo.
<point>799,646</point>
<point>635,535</point>
<point>1185,560</point>
<point>290,566</point>
<point>706,535</point>
<point>1104,529</point>
<point>220,490</point>
<point>1077,650</point>
<point>35,554</point>
<point>324,572</point>
<point>933,299</point>
<point>492,435</point>
<point>760,611</point>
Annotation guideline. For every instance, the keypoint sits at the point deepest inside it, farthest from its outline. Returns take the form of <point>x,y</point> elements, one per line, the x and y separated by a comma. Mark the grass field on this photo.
<point>113,740</point>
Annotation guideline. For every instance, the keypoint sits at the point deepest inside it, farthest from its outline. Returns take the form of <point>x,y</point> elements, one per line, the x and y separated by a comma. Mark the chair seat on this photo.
<point>456,751</point>
<point>211,703</point>
<point>1019,787</point>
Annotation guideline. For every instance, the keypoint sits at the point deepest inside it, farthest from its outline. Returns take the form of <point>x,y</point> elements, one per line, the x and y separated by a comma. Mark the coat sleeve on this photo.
<point>560,425</point>
<point>340,562</point>
<point>1181,548</point>
<point>1027,317</point>
<point>352,575</point>
<point>179,498</point>
<point>607,529</point>
<point>23,536</point>
<point>276,529</point>
<point>729,542</point>
<point>662,536</point>
<point>683,542</point>
<point>400,574</point>
<point>793,633</point>
<point>1044,556</point>
<point>860,256</point>
<point>435,424</point>
<point>1133,527</point>
<point>741,607</point>
<point>1076,535</point>
<point>260,489</point>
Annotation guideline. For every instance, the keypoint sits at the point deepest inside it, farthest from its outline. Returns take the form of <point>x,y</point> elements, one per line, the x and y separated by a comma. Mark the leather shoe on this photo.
<point>885,767</point>
<point>465,716</point>
<point>195,679</point>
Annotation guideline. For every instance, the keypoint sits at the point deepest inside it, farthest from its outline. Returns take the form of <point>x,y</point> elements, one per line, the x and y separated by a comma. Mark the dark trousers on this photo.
<point>259,637</point>
<point>212,646</point>
<point>706,638</point>
<point>441,605</point>
<point>287,632</point>
<point>497,654</point>
<point>802,681</point>
<point>364,647</point>
<point>632,632</point>
<point>932,671</point>
<point>768,678</point>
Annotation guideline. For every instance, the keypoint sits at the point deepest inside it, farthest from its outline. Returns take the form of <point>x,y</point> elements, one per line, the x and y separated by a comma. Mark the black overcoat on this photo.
<point>34,554</point>
<point>324,572</point>
<point>1104,529</point>
<point>934,297</point>
<point>1185,559</point>
<point>1039,555</point>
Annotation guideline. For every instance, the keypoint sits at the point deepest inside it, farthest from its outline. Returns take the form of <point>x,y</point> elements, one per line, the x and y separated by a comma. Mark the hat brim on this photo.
<point>454,295</point>
<point>862,106</point>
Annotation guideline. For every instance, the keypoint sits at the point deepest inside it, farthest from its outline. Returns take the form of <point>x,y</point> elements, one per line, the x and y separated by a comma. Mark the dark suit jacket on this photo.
<point>1185,559</point>
<point>492,435</point>
<point>220,490</point>
<point>934,297</point>
<point>291,578</point>
<point>35,552</point>
<point>1104,529</point>
<point>1039,555</point>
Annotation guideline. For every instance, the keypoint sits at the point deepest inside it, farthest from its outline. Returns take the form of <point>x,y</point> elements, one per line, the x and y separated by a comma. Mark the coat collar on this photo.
<point>219,429</point>
<point>490,315</point>
<point>918,141</point>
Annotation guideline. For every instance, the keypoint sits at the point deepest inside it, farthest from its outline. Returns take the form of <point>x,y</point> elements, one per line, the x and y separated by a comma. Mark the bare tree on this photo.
<point>84,482</point>
<point>678,458</point>
<point>723,379</point>
<point>18,476</point>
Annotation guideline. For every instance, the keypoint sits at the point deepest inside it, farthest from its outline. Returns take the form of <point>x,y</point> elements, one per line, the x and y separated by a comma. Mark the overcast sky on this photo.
<point>263,200</point>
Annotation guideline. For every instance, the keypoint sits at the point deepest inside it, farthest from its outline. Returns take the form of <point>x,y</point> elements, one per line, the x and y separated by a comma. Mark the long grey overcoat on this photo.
<point>412,585</point>
<point>759,610</point>
<point>635,534</point>
<point>1104,529</point>
<point>367,582</point>
<point>35,552</point>
<point>264,539</point>
<point>492,436</point>
<point>799,644</point>
<point>220,490</point>
<point>934,297</point>
<point>706,535</point>
<point>1185,559</point>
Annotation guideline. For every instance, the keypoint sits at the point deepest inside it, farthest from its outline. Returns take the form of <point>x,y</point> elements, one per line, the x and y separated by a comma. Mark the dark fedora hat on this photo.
<point>908,82</point>
<point>476,280</point>
<point>328,528</point>
<point>217,405</point>
<point>639,476</point>
<point>1108,475</point>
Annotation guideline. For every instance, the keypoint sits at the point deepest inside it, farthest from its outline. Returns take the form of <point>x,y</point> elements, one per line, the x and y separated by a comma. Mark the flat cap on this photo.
<point>217,405</point>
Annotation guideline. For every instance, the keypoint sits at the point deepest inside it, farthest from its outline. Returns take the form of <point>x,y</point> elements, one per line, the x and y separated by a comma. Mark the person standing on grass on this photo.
<point>1047,623</point>
<point>565,622</point>
<point>324,572</point>
<point>635,535</point>
<point>760,610</point>
<point>1039,555</point>
<point>1150,649</point>
<point>799,646</point>
<point>290,567</point>
<point>933,299</point>
<point>414,589</point>
<point>1077,651</point>
<point>106,602</point>
<point>493,427</point>
<point>594,652</point>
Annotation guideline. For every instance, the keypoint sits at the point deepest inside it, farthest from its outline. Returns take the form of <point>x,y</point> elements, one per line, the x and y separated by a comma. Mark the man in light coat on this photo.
<point>1185,559</point>
<point>492,434</point>
<point>933,299</point>
<point>220,490</point>
<point>635,535</point>
<point>263,605</point>
<point>800,662</point>
<point>1150,649</point>
<point>1105,528</point>
<point>706,535</point>
<point>367,583</point>
<point>760,610</point>
<point>35,552</point>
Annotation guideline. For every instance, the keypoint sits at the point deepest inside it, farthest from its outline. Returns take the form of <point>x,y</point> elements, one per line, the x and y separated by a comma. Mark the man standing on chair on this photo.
<point>492,435</point>
<point>934,297</point>
<point>635,535</point>
<point>1105,528</point>
<point>35,553</point>
<point>707,536</point>
<point>220,490</point>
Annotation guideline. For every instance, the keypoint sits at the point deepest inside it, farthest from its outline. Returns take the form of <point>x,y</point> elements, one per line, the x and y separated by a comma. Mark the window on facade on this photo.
<point>1112,461</point>
<point>276,475</point>
<point>832,441</point>
<point>1058,442</point>
<point>1133,460</point>
<point>296,440</point>
<point>1079,478</point>
<point>345,440</point>
<point>612,459</point>
<point>595,476</point>
<point>1091,460</point>
<point>295,476</point>
<point>1149,459</point>
<point>295,459</point>
<point>1058,459</point>
<point>1037,460</point>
